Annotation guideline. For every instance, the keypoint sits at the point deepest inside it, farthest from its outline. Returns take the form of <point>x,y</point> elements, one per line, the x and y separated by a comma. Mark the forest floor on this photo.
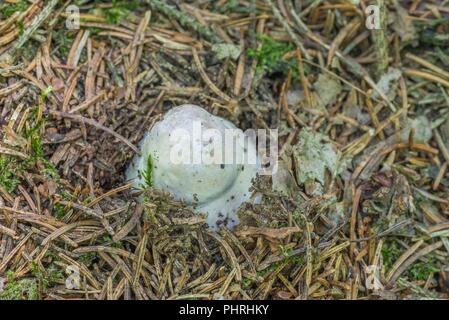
<point>359,208</point>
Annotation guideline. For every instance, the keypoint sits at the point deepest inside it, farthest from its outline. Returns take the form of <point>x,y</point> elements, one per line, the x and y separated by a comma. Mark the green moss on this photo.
<point>115,15</point>
<point>32,288</point>
<point>8,173</point>
<point>246,283</point>
<point>234,6</point>
<point>263,273</point>
<point>269,57</point>
<point>108,241</point>
<point>47,278</point>
<point>59,211</point>
<point>37,150</point>
<point>8,9</point>
<point>44,94</point>
<point>21,27</point>
<point>36,145</point>
<point>87,258</point>
<point>50,171</point>
<point>24,289</point>
<point>10,166</point>
<point>34,134</point>
<point>67,196</point>
<point>390,253</point>
<point>148,174</point>
<point>120,10</point>
<point>422,270</point>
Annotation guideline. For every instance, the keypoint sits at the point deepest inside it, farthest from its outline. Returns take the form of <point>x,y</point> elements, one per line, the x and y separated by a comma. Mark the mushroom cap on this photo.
<point>198,158</point>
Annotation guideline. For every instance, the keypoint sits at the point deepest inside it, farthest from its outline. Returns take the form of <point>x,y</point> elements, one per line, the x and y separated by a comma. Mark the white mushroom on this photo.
<point>189,155</point>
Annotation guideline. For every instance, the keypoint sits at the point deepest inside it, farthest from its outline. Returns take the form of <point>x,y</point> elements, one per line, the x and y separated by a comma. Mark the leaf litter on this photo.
<point>359,208</point>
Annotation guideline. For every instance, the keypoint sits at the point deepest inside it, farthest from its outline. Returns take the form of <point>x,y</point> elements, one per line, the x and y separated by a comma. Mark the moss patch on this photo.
<point>8,173</point>
<point>148,174</point>
<point>270,57</point>
<point>8,9</point>
<point>24,289</point>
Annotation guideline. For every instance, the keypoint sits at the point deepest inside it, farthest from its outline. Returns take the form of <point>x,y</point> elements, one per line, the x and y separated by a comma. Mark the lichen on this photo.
<point>328,88</point>
<point>226,51</point>
<point>313,158</point>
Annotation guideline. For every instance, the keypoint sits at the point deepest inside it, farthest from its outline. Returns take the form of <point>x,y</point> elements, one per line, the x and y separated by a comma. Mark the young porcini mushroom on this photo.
<point>200,159</point>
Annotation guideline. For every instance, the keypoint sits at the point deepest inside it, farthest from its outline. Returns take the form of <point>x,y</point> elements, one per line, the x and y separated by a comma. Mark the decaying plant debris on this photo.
<point>373,224</point>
